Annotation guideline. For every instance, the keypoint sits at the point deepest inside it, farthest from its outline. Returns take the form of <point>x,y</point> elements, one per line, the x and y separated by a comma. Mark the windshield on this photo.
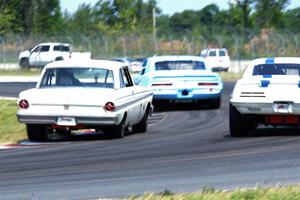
<point>77,77</point>
<point>276,69</point>
<point>179,65</point>
<point>61,48</point>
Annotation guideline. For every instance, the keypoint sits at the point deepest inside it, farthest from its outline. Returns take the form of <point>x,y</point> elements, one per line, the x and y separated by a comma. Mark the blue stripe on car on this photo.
<point>264,83</point>
<point>267,75</point>
<point>270,60</point>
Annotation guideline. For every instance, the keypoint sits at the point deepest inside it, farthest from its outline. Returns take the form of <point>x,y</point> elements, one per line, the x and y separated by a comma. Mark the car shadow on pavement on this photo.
<point>275,131</point>
<point>87,136</point>
<point>166,107</point>
<point>271,132</point>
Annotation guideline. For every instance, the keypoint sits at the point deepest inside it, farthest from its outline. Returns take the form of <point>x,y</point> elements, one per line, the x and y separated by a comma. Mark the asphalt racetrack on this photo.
<point>184,150</point>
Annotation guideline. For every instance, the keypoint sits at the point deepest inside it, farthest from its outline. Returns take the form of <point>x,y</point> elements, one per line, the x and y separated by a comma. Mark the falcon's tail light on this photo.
<point>110,106</point>
<point>23,104</point>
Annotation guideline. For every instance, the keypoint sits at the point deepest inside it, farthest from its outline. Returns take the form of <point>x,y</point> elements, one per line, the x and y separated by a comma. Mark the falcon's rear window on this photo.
<point>276,69</point>
<point>77,77</point>
<point>179,65</point>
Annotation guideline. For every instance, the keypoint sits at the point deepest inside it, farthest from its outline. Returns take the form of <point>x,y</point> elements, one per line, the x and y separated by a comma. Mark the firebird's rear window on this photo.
<point>276,69</point>
<point>179,65</point>
<point>77,77</point>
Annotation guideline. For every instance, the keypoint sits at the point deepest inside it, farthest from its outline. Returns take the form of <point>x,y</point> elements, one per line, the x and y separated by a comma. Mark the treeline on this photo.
<point>45,17</point>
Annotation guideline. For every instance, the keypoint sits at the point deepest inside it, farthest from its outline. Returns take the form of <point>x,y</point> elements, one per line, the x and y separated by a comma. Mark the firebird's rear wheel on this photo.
<point>215,104</point>
<point>141,127</point>
<point>237,123</point>
<point>37,132</point>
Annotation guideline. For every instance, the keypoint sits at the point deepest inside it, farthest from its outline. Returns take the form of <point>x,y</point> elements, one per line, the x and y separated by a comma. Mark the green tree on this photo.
<point>15,16</point>
<point>269,13</point>
<point>30,16</point>
<point>183,22</point>
<point>244,8</point>
<point>208,13</point>
<point>292,20</point>
<point>124,15</point>
<point>82,21</point>
<point>47,17</point>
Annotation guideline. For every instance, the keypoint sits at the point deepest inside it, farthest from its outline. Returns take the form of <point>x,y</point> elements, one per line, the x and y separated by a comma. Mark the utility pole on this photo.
<point>154,28</point>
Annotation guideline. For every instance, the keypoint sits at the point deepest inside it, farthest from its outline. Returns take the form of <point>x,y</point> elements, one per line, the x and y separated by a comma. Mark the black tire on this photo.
<point>141,127</point>
<point>215,104</point>
<point>237,123</point>
<point>118,131</point>
<point>24,63</point>
<point>59,58</point>
<point>36,132</point>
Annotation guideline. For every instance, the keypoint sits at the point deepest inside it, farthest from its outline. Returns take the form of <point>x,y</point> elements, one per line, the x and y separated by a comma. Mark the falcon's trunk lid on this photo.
<point>69,96</point>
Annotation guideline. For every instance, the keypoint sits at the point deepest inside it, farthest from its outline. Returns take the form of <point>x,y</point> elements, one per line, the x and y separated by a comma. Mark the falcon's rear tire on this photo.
<point>37,132</point>
<point>141,127</point>
<point>119,130</point>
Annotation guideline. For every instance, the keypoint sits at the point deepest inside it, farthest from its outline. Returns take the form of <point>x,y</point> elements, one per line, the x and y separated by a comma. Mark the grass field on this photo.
<point>276,193</point>
<point>17,72</point>
<point>11,131</point>
<point>230,76</point>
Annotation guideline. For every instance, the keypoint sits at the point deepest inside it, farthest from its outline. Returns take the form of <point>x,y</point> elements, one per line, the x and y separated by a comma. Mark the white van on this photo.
<point>217,59</point>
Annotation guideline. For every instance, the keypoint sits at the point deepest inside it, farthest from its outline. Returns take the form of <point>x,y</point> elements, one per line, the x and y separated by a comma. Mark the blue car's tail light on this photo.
<point>161,84</point>
<point>207,84</point>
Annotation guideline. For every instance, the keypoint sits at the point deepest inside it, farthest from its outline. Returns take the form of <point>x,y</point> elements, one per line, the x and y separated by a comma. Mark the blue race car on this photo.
<point>181,79</point>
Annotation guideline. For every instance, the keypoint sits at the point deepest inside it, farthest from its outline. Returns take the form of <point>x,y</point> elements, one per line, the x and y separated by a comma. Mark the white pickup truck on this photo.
<point>45,53</point>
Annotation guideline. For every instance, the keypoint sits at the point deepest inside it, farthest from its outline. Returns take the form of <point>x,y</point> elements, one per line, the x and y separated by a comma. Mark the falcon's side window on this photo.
<point>49,78</point>
<point>126,80</point>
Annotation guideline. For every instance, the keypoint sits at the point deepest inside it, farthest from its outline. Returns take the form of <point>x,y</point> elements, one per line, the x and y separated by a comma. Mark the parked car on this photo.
<point>217,59</point>
<point>181,79</point>
<point>134,64</point>
<point>45,53</point>
<point>73,95</point>
<point>267,94</point>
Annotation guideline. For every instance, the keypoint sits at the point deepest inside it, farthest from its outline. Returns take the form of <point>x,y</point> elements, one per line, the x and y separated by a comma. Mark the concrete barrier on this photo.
<point>19,78</point>
<point>9,66</point>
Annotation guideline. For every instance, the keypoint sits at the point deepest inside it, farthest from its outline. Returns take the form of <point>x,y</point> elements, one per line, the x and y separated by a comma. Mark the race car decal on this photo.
<point>264,83</point>
<point>270,61</point>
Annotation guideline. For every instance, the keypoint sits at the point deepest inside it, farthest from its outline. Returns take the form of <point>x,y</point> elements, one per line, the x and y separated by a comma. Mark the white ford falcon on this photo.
<point>267,94</point>
<point>89,94</point>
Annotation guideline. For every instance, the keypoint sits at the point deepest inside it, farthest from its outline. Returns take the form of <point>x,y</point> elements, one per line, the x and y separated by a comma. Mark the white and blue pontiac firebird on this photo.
<point>267,94</point>
<point>181,79</point>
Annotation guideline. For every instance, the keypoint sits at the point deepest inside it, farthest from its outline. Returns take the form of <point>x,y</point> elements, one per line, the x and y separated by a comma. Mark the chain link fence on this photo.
<point>243,45</point>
